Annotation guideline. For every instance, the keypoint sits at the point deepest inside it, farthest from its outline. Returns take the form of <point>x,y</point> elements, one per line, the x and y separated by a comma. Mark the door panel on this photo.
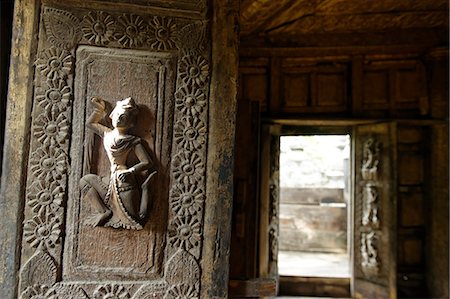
<point>375,206</point>
<point>160,55</point>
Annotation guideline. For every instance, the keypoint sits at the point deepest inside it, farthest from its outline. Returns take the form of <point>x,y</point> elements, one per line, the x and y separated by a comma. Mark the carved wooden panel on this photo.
<point>396,88</point>
<point>254,85</point>
<point>375,90</point>
<point>115,74</point>
<point>162,61</point>
<point>313,88</point>
<point>374,211</point>
<point>296,90</point>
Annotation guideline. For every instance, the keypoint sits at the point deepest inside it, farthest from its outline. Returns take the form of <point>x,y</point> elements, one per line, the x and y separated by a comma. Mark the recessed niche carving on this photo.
<point>109,76</point>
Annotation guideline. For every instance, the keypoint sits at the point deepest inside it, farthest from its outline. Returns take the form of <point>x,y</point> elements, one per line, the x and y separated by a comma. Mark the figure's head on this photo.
<point>124,114</point>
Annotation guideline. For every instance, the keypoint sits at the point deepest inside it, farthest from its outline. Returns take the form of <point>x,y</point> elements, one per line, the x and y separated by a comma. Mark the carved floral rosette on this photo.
<point>49,162</point>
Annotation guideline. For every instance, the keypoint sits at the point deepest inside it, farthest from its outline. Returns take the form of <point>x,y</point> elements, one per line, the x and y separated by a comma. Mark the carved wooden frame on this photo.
<point>49,161</point>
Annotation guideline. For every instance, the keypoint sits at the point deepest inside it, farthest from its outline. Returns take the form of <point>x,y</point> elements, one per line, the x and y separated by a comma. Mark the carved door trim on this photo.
<point>62,29</point>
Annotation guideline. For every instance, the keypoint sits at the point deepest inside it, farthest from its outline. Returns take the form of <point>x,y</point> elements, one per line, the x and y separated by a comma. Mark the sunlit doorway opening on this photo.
<point>315,205</point>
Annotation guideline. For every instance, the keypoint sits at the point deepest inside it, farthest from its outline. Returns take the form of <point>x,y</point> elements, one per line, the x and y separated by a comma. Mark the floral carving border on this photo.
<point>49,162</point>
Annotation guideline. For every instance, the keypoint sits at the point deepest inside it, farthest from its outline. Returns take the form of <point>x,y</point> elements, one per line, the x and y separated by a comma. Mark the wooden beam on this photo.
<point>259,287</point>
<point>408,51</point>
<point>314,286</point>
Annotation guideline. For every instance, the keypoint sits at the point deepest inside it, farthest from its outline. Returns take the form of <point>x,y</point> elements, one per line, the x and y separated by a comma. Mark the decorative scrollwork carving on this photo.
<point>191,39</point>
<point>49,161</point>
<point>370,206</point>
<point>39,270</point>
<point>369,252</point>
<point>369,168</point>
<point>182,267</point>
<point>98,28</point>
<point>61,27</point>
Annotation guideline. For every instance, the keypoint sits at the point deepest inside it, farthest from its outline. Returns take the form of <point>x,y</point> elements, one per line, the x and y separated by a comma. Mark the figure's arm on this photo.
<point>144,158</point>
<point>93,122</point>
<point>144,164</point>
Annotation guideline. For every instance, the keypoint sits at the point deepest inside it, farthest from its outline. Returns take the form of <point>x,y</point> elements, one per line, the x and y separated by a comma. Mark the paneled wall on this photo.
<point>393,85</point>
<point>403,84</point>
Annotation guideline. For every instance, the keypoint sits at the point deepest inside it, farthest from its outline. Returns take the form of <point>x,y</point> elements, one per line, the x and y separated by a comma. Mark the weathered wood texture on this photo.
<point>220,159</point>
<point>437,225</point>
<point>115,49</point>
<point>375,211</point>
<point>16,143</point>
<point>6,18</point>
<point>408,84</point>
<point>244,238</point>
<point>252,288</point>
<point>342,22</point>
<point>315,286</point>
<point>387,84</point>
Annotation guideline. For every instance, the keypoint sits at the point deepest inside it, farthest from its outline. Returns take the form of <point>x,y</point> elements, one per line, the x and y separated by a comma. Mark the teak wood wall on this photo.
<point>406,84</point>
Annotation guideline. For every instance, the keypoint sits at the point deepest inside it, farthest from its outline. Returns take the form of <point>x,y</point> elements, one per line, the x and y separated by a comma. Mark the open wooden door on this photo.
<point>374,229</point>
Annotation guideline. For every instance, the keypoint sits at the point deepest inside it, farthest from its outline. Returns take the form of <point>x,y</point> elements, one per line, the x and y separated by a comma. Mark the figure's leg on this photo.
<point>96,195</point>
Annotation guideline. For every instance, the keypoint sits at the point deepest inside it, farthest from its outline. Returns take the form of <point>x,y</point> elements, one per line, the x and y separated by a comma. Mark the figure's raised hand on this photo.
<point>98,103</point>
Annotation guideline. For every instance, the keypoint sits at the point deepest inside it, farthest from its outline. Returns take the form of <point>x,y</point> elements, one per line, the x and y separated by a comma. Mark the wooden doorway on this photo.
<point>371,197</point>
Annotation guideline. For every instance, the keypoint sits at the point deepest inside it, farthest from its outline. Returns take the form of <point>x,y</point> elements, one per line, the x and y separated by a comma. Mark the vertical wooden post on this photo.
<point>220,157</point>
<point>16,148</point>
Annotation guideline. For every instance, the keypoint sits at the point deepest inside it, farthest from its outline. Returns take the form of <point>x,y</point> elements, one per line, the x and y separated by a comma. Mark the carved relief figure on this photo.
<point>370,163</point>
<point>370,206</point>
<point>369,254</point>
<point>118,201</point>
